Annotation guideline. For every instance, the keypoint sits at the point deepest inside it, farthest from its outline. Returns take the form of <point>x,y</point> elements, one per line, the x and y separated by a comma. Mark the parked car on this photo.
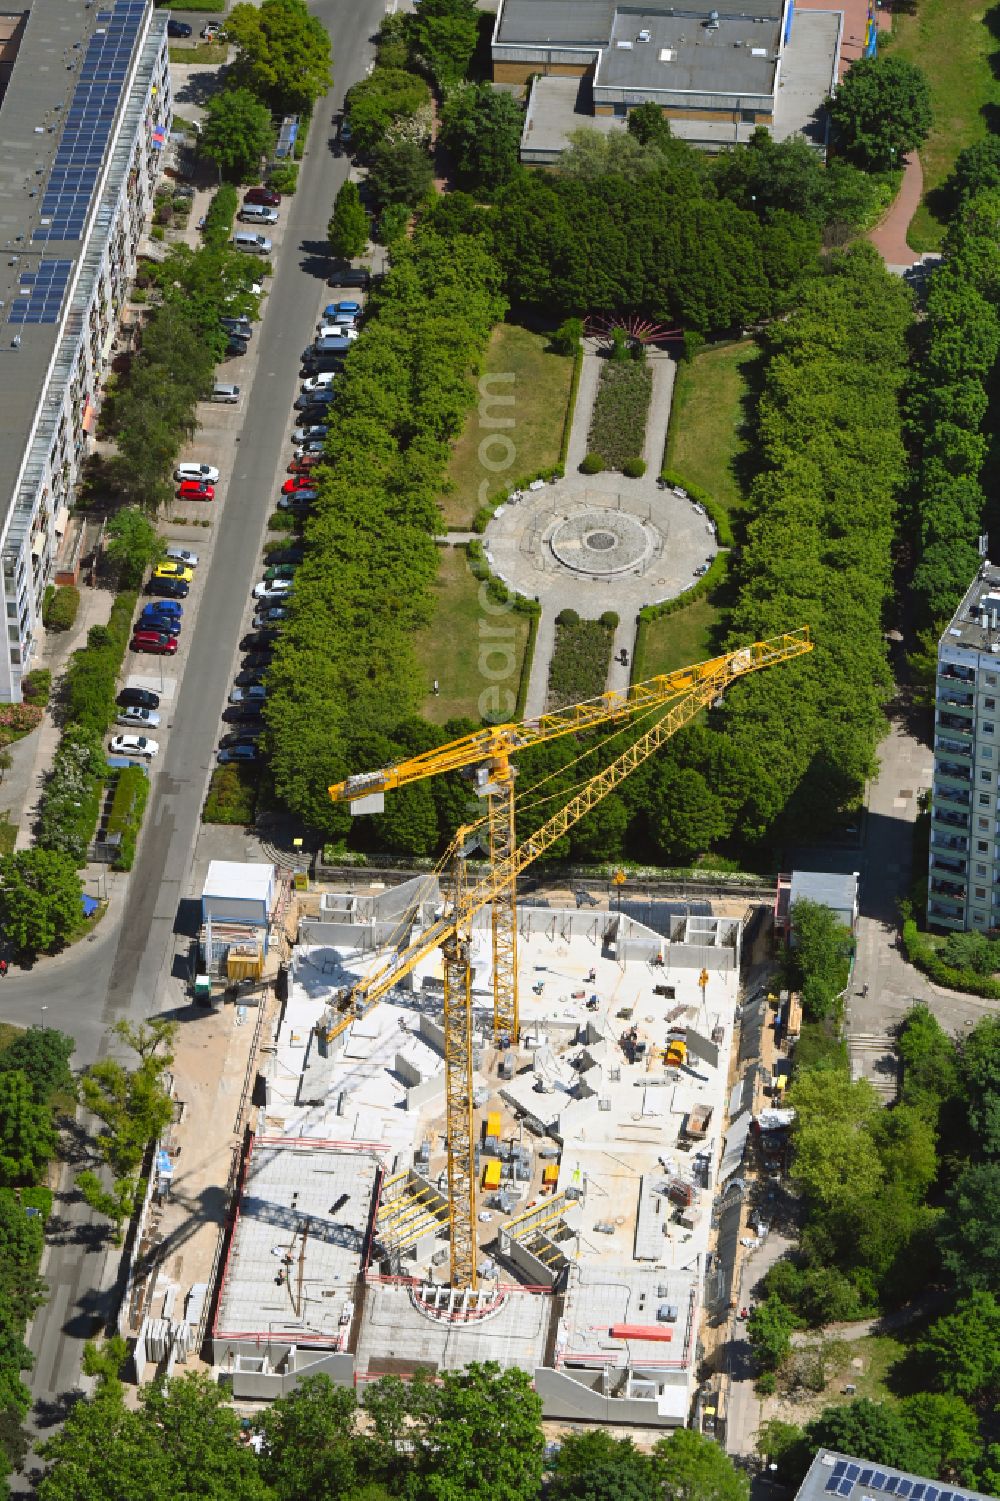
<point>192,489</point>
<point>178,554</point>
<point>224,391</point>
<point>272,589</point>
<point>269,616</point>
<point>160,642</point>
<point>150,621</point>
<point>345,134</point>
<point>212,31</point>
<point>235,345</point>
<point>168,588</point>
<point>171,570</point>
<point>319,382</point>
<point>241,327</point>
<point>298,482</point>
<point>351,276</point>
<point>241,737</point>
<point>139,719</point>
<point>248,677</point>
<point>347,306</point>
<point>281,571</point>
<point>293,553</point>
<point>300,501</point>
<point>178,28</point>
<point>238,753</point>
<point>247,695</point>
<point>256,661</point>
<point>134,745</point>
<point>310,447</point>
<point>342,326</point>
<point>267,196</point>
<point>241,713</point>
<point>305,463</point>
<point>314,401</point>
<point>138,698</point>
<point>313,432</point>
<point>258,640</point>
<point>205,474</point>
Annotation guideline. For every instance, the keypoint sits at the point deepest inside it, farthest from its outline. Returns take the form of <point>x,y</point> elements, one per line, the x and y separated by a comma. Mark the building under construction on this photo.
<point>597,1154</point>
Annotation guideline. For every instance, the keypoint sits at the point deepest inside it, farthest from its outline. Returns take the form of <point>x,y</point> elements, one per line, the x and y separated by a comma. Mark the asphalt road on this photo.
<point>120,973</point>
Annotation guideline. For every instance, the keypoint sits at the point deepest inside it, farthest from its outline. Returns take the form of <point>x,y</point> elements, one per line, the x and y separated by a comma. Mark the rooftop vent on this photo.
<point>643,36</point>
<point>624,46</point>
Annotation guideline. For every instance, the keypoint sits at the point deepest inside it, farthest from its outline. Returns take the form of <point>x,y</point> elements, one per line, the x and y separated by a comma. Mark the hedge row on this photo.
<point>485,513</point>
<point>618,421</point>
<point>232,795</point>
<point>60,608</point>
<point>92,677</point>
<point>923,956</point>
<point>127,808</point>
<point>220,216</point>
<point>717,513</point>
<point>574,391</point>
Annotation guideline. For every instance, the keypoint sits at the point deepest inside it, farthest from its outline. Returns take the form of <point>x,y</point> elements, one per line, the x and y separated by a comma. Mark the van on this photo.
<point>251,243</point>
<point>223,391</point>
<point>257,213</point>
<point>331,344</point>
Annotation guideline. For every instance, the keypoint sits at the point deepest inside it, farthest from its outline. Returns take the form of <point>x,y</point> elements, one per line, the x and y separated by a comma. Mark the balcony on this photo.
<point>953,842</point>
<point>952,698</point>
<point>954,770</point>
<point>954,747</point>
<point>945,917</point>
<point>952,891</point>
<point>950,820</point>
<point>955,723</point>
<point>953,867</point>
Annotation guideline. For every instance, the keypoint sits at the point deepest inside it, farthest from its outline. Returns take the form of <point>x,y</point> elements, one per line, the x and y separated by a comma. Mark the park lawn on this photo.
<point>201,53</point>
<point>707,416</point>
<point>676,640</point>
<point>541,392</point>
<point>952,41</point>
<point>863,1363</point>
<point>452,650</point>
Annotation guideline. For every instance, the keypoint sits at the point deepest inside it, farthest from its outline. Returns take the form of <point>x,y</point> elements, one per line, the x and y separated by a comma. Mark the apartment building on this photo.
<point>964,866</point>
<point>85,111</point>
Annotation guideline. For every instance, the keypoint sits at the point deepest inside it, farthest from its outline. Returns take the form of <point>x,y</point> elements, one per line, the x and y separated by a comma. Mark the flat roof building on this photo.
<point>845,1478</point>
<point>713,66</point>
<point>83,120</point>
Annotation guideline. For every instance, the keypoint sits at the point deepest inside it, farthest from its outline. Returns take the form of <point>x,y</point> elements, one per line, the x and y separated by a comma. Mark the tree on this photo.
<point>390,104</point>
<point>818,959</point>
<point>27,1135</point>
<point>443,35</point>
<point>43,1055</point>
<point>881,111</point>
<point>694,1468</point>
<point>946,1428</point>
<point>594,1466</point>
<point>40,894</point>
<point>283,54</point>
<point>236,131</point>
<point>769,1330</point>
<point>969,1231</point>
<point>308,1452</point>
<point>401,173</point>
<point>196,1429</point>
<point>348,228</point>
<point>867,1430</point>
<point>484,1437</point>
<point>961,1350</point>
<point>648,123</point>
<point>835,1162</point>
<point>980,1065</point>
<point>133,544</point>
<point>686,817</point>
<point>482,130</point>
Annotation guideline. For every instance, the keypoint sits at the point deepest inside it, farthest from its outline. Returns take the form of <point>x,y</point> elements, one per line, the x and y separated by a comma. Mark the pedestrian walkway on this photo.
<point>889,236</point>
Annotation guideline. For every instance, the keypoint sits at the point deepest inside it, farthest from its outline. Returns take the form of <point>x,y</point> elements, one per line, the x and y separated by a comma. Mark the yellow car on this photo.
<point>173,571</point>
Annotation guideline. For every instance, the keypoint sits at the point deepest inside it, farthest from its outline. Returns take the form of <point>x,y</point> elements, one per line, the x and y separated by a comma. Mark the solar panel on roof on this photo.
<point>852,1472</point>
<point>904,1487</point>
<point>891,1484</point>
<point>946,1496</point>
<point>839,1468</point>
<point>865,1476</point>
<point>931,1493</point>
<point>41,293</point>
<point>832,1483</point>
<point>918,1492</point>
<point>845,1487</point>
<point>878,1480</point>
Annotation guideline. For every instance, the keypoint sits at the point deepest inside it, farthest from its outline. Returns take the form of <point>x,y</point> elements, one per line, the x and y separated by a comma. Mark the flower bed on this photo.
<point>618,421</point>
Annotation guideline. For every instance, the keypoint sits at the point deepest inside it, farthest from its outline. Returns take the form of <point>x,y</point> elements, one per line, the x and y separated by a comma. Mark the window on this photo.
<point>980,893</point>
<point>986,754</point>
<point>980,870</point>
<point>988,727</point>
<point>982,823</point>
<point>991,680</point>
<point>989,703</point>
<point>984,799</point>
<point>978,917</point>
<point>984,776</point>
<point>982,846</point>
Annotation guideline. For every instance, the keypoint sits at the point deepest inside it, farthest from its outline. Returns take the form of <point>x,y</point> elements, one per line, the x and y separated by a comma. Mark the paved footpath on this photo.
<point>889,237</point>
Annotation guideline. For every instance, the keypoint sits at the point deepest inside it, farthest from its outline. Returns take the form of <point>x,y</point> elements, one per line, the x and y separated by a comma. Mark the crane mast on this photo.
<point>680,696</point>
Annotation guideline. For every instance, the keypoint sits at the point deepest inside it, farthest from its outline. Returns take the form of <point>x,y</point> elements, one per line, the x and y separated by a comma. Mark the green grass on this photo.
<point>952,42</point>
<point>8,834</point>
<point>201,52</point>
<point>676,640</point>
<point>478,674</point>
<point>707,417</point>
<point>877,1355</point>
<point>541,390</point>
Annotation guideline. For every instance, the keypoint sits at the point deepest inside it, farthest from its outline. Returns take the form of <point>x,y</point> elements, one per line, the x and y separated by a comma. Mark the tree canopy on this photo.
<point>881,110</point>
<point>237,131</point>
<point>40,898</point>
<point>283,54</point>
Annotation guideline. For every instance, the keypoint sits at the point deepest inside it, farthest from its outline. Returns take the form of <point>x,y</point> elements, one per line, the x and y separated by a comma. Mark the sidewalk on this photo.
<point>889,237</point>
<point>22,786</point>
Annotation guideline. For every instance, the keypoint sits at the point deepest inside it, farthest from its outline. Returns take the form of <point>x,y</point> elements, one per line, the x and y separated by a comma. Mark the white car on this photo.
<point>205,472</point>
<point>337,331</point>
<point>139,719</point>
<point>134,745</point>
<point>181,555</point>
<point>272,589</point>
<point>314,432</point>
<point>321,382</point>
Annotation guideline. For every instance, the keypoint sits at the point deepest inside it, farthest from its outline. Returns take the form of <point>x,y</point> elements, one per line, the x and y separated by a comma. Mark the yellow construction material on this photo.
<point>676,1053</point>
<point>491,1173</point>
<point>493,1123</point>
<point>550,1174</point>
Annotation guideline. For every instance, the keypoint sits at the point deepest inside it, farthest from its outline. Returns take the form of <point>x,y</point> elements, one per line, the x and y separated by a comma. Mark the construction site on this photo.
<point>500,1128</point>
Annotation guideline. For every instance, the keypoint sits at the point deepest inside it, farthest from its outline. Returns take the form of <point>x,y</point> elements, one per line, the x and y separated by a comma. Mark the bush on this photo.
<point>91,680</point>
<point>127,808</point>
<point>59,613</point>
<point>921,952</point>
<point>566,339</point>
<point>281,521</point>
<point>284,178</point>
<point>71,800</point>
<point>219,218</point>
<point>717,513</point>
<point>36,686</point>
<point>618,423</point>
<point>610,620</point>
<point>579,666</point>
<point>232,795</point>
<point>634,468</point>
<point>567,617</point>
<point>592,464</point>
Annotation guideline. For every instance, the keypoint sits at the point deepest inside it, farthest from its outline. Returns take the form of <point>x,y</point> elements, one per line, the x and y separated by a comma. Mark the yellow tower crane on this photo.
<point>675,698</point>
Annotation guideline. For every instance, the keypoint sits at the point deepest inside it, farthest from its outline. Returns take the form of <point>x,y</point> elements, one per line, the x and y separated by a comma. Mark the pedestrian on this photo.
<point>3,967</point>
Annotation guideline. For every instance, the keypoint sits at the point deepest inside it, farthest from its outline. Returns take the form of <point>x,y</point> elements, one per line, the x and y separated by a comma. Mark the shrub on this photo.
<point>232,795</point>
<point>567,617</point>
<point>634,468</point>
<point>618,423</point>
<point>157,232</point>
<point>284,178</point>
<point>59,613</point>
<point>89,688</point>
<point>36,686</point>
<point>219,218</point>
<point>592,464</point>
<point>125,814</point>
<point>610,620</point>
<point>566,339</point>
<point>71,800</point>
<point>579,666</point>
<point>281,521</point>
<point>19,719</point>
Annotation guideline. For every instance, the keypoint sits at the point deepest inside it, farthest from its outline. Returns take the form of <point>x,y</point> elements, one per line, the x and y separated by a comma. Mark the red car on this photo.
<point>298,482</point>
<point>155,641</point>
<point>266,197</point>
<point>304,463</point>
<point>193,489</point>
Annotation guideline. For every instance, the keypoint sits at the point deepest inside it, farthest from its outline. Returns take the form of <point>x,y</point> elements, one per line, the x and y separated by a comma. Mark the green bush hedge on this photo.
<point>284,178</point>
<point>567,617</point>
<point>59,613</point>
<point>527,662</point>
<point>574,388</point>
<point>36,687</point>
<point>232,795</point>
<point>219,219</point>
<point>922,954</point>
<point>634,468</point>
<point>579,666</point>
<point>484,515</point>
<point>716,512</point>
<point>71,801</point>
<point>591,463</point>
<point>92,678</point>
<point>127,808</point>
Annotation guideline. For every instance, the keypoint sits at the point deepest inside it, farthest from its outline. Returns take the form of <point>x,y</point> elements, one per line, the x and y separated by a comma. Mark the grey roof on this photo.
<point>45,73</point>
<point>736,57</point>
<point>972,627</point>
<point>843,1477</point>
<point>588,23</point>
<point>828,888</point>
